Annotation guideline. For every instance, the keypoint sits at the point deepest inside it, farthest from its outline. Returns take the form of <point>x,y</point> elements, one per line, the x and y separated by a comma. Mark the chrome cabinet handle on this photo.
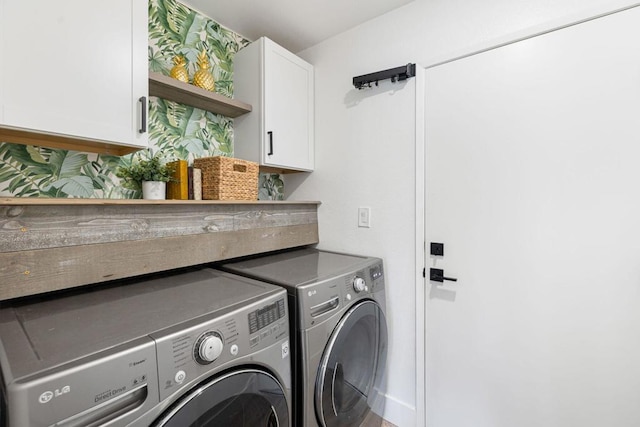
<point>270,153</point>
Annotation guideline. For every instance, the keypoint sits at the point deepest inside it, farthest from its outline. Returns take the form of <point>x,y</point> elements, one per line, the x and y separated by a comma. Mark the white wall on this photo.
<point>365,142</point>
<point>364,162</point>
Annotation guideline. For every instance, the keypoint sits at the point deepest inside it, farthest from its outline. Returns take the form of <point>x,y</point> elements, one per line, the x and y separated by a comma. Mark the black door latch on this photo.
<point>437,275</point>
<point>437,249</point>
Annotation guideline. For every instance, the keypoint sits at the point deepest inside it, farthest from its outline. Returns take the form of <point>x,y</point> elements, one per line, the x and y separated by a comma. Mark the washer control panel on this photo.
<point>208,348</point>
<point>266,315</point>
<point>264,322</point>
<point>187,353</point>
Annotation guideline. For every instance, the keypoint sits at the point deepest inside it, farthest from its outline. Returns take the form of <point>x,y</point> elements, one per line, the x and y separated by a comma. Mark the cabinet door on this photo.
<point>288,110</point>
<point>75,68</point>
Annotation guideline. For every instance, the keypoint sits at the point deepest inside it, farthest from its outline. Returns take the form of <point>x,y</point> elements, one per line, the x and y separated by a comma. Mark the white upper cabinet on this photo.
<point>278,133</point>
<point>74,71</point>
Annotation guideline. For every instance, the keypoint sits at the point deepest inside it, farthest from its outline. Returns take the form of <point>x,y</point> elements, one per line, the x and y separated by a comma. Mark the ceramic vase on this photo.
<point>154,190</point>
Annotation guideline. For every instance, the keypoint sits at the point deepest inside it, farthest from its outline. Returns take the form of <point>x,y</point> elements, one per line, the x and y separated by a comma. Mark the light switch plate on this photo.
<point>364,217</point>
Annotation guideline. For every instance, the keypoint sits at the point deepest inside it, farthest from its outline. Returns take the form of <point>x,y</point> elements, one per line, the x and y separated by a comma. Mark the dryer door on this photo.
<point>244,398</point>
<point>350,378</point>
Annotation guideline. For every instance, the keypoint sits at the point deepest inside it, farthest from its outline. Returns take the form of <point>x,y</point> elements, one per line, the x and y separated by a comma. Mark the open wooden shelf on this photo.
<point>174,90</point>
<point>28,137</point>
<point>53,244</point>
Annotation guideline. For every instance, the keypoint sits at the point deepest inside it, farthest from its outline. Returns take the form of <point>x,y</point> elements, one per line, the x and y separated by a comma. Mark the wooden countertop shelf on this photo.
<point>4,201</point>
<point>52,244</point>
<point>174,90</point>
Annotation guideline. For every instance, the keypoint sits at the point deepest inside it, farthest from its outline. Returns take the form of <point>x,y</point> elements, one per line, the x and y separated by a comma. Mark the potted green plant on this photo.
<point>147,172</point>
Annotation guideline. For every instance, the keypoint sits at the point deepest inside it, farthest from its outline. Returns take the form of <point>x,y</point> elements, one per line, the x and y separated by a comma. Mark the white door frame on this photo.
<point>420,288</point>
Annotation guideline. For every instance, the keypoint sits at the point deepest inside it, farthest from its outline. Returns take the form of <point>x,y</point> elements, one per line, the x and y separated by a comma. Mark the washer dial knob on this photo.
<point>359,284</point>
<point>208,348</point>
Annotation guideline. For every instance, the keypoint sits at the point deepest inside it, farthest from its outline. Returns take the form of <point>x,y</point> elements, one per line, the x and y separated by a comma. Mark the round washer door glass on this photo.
<point>350,378</point>
<point>245,398</point>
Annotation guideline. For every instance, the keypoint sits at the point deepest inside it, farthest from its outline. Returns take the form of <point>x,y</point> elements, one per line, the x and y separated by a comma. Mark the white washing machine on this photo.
<point>338,332</point>
<point>191,348</point>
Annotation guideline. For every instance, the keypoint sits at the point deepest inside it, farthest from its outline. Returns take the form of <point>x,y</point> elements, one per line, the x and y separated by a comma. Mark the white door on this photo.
<point>533,187</point>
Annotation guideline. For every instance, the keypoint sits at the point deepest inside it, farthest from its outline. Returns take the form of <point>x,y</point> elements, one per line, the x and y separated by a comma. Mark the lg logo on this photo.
<point>45,397</point>
<point>48,395</point>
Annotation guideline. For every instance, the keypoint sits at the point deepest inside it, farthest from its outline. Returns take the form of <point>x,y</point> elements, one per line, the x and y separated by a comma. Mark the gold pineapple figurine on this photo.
<point>203,78</point>
<point>179,70</point>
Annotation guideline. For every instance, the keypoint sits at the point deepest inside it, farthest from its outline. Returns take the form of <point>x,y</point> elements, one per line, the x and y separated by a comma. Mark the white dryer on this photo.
<point>191,348</point>
<point>338,332</point>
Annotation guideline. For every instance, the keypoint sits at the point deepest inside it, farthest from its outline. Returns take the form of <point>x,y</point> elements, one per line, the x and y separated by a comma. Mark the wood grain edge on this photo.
<point>36,271</point>
<point>32,227</point>
<point>18,201</point>
<point>24,137</point>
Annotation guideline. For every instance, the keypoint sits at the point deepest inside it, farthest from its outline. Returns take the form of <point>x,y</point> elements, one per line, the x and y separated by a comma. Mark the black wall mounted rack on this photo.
<point>395,74</point>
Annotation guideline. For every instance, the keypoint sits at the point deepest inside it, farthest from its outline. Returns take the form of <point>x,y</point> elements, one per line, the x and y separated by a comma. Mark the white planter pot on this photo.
<point>154,190</point>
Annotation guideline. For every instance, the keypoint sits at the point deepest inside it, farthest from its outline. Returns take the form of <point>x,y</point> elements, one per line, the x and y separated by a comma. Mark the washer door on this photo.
<point>351,373</point>
<point>245,398</point>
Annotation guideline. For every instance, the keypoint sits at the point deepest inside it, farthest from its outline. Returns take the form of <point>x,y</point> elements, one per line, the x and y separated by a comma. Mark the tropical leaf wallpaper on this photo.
<point>181,131</point>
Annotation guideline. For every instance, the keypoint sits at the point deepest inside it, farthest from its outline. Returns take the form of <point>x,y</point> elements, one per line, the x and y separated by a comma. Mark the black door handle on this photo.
<point>143,122</point>
<point>437,275</point>
<point>270,133</point>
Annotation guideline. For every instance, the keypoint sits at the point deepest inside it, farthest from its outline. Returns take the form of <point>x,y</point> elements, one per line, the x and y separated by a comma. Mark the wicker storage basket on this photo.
<point>226,178</point>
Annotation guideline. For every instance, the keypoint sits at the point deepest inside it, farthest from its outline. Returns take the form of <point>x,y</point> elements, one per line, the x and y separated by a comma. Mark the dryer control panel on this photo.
<point>324,298</point>
<point>364,282</point>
